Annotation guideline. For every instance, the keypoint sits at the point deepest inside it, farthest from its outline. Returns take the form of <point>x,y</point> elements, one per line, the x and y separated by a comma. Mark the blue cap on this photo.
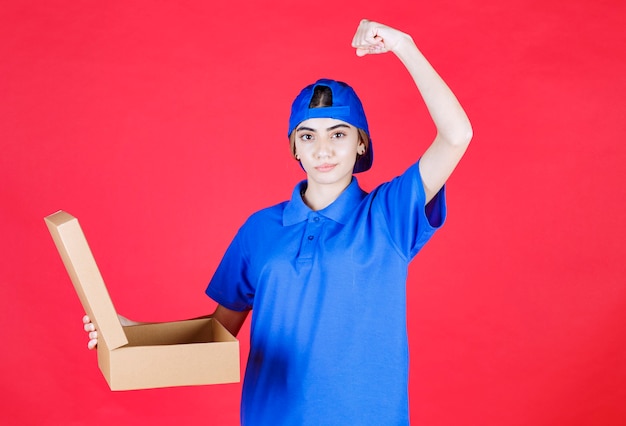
<point>346,107</point>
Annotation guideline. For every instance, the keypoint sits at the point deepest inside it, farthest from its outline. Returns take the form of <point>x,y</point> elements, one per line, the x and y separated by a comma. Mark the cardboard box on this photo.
<point>182,353</point>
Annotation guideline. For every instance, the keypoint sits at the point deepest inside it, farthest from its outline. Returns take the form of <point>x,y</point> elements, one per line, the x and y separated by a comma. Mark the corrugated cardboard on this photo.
<point>193,352</point>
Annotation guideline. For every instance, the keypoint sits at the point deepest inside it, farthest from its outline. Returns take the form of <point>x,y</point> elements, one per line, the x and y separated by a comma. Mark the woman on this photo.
<point>325,272</point>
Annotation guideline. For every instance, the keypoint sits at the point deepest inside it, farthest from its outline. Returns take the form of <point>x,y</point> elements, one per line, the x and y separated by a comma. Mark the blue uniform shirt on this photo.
<point>327,288</point>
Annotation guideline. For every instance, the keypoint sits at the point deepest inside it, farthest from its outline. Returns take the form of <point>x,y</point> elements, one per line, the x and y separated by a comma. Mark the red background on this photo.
<point>161,125</point>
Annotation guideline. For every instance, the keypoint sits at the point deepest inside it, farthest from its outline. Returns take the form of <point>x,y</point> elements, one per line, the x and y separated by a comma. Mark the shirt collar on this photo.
<point>339,210</point>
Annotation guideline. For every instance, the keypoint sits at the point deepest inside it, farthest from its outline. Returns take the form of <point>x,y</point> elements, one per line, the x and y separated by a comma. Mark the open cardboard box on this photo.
<point>182,353</point>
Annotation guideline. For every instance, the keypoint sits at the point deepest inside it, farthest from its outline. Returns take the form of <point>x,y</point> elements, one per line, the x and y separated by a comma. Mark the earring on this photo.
<point>297,157</point>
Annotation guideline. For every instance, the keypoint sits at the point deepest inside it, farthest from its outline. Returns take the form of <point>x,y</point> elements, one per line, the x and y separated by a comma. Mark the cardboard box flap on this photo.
<point>85,275</point>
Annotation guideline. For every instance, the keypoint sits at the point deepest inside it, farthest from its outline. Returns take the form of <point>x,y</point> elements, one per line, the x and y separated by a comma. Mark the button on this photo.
<point>310,237</point>
<point>316,219</point>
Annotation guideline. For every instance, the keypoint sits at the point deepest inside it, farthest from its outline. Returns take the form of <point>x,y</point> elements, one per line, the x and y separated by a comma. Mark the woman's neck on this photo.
<point>319,196</point>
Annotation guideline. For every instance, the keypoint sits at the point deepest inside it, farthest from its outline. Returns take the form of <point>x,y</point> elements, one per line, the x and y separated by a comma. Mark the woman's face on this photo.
<point>327,149</point>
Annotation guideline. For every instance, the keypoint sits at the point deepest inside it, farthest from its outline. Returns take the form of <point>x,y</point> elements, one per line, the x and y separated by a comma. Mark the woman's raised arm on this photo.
<point>454,130</point>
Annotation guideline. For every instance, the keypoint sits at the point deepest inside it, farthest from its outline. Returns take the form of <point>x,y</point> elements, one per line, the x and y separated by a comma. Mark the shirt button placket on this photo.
<point>311,234</point>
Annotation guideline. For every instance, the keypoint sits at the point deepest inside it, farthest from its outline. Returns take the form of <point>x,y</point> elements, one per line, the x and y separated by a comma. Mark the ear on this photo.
<point>361,148</point>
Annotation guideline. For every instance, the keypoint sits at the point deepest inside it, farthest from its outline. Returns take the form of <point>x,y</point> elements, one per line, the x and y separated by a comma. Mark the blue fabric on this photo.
<point>346,106</point>
<point>327,288</point>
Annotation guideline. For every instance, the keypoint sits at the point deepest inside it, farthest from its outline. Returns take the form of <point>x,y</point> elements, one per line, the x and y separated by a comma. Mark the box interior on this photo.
<point>174,333</point>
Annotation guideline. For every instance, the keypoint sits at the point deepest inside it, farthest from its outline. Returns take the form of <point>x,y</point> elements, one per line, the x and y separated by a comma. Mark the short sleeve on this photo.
<point>230,285</point>
<point>409,220</point>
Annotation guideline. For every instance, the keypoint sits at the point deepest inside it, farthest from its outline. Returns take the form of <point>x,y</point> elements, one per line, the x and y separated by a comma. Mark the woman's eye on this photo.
<point>338,135</point>
<point>306,137</point>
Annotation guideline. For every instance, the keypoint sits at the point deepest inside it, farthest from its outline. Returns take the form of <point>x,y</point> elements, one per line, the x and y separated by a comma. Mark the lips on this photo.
<point>326,167</point>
